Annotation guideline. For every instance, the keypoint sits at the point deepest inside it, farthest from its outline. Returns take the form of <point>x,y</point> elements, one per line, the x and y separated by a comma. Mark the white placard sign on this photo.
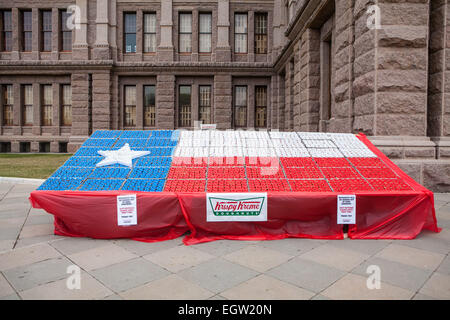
<point>227,207</point>
<point>346,208</point>
<point>126,210</point>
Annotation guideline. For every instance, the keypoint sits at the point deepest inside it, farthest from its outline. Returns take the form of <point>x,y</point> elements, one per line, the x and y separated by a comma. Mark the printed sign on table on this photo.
<point>346,209</point>
<point>126,210</point>
<point>227,207</point>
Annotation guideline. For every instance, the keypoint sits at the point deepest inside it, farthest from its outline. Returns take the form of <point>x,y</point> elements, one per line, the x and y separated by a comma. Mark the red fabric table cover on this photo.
<point>167,215</point>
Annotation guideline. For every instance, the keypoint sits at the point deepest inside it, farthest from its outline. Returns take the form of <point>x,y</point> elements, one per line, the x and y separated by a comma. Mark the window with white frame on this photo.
<point>185,33</point>
<point>130,32</point>
<point>149,32</point>
<point>205,104</point>
<point>130,106</point>
<point>205,32</point>
<point>47,105</point>
<point>240,106</point>
<point>8,102</point>
<point>66,105</point>
<point>28,104</point>
<point>240,33</point>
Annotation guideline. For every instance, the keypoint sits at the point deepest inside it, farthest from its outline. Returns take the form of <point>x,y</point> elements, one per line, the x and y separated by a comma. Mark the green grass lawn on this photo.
<point>37,166</point>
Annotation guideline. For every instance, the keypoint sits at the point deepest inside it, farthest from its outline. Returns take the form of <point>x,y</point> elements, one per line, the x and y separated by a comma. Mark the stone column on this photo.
<point>15,34</point>
<point>37,33</point>
<point>251,36</point>
<point>165,51</point>
<point>81,120</point>
<point>306,82</point>
<point>165,101</point>
<point>223,103</point>
<point>139,106</point>
<point>36,109</point>
<point>272,112</point>
<point>56,109</point>
<point>101,100</point>
<point>439,78</point>
<point>288,96</point>
<point>251,106</point>
<point>80,49</point>
<point>223,49</point>
<point>56,25</point>
<point>17,109</point>
<point>195,37</point>
<point>101,47</point>
<point>390,77</point>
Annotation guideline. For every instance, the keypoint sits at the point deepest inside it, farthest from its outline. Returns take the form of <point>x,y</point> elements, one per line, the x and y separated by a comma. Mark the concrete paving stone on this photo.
<point>143,248</point>
<point>5,287</point>
<point>14,203</point>
<point>36,230</point>
<point>14,213</point>
<point>411,256</point>
<point>113,297</point>
<point>222,247</point>
<point>257,258</point>
<point>217,275</point>
<point>6,245</point>
<point>21,197</point>
<point>420,296</point>
<point>217,297</point>
<point>291,246</point>
<point>444,267</point>
<point>438,286</point>
<point>27,255</point>
<point>11,222</point>
<point>34,240</point>
<point>39,219</point>
<point>71,245</point>
<point>444,223</point>
<point>32,275</point>
<point>320,297</point>
<point>100,257</point>
<point>443,213</point>
<point>354,287</point>
<point>442,197</point>
<point>129,274</point>
<point>264,287</point>
<point>90,288</point>
<point>178,258</point>
<point>334,257</point>
<point>395,273</point>
<point>9,233</point>
<point>365,246</point>
<point>13,296</point>
<point>24,187</point>
<point>307,274</point>
<point>430,241</point>
<point>172,287</point>
<point>38,212</point>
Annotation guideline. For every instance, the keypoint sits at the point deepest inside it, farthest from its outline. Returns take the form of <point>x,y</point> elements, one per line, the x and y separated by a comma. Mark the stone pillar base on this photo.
<point>165,54</point>
<point>75,143</point>
<point>404,147</point>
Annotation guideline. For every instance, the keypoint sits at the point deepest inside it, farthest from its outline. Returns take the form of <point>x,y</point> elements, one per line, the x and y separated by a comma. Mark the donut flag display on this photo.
<point>154,185</point>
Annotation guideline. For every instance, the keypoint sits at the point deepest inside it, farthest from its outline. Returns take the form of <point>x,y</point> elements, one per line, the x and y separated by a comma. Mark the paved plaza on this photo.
<point>34,263</point>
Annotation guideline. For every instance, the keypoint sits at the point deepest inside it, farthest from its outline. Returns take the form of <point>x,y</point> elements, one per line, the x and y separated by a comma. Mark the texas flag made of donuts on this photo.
<point>173,172</point>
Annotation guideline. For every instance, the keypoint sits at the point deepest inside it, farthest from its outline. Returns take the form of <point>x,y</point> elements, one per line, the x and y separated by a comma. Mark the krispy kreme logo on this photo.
<point>238,207</point>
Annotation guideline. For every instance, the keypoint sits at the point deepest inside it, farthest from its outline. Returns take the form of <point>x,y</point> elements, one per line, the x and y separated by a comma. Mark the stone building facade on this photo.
<point>374,66</point>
